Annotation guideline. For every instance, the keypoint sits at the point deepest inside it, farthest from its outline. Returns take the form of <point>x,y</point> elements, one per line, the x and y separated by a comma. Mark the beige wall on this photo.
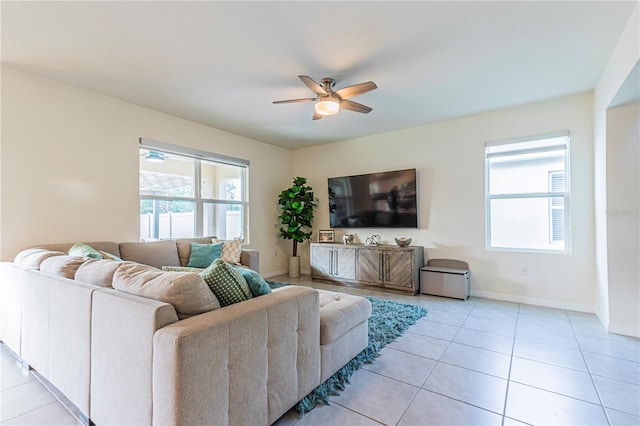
<point>69,166</point>
<point>623,224</point>
<point>449,157</point>
<point>622,61</point>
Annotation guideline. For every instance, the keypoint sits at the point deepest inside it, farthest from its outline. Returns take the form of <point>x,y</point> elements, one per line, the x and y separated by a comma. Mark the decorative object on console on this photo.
<point>326,236</point>
<point>297,204</point>
<point>403,241</point>
<point>348,239</point>
<point>373,240</point>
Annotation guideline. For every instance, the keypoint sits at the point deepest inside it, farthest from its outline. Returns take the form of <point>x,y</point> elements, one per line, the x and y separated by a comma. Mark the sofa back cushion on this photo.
<point>106,246</point>
<point>32,258</point>
<point>62,266</point>
<point>98,272</point>
<point>186,291</point>
<point>154,253</point>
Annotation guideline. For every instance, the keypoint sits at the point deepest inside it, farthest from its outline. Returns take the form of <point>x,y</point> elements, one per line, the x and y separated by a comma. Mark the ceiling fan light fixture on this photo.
<point>327,106</point>
<point>154,157</point>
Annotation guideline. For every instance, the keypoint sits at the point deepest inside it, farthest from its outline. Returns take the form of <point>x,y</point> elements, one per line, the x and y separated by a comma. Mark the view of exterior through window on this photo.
<point>182,196</point>
<point>527,194</point>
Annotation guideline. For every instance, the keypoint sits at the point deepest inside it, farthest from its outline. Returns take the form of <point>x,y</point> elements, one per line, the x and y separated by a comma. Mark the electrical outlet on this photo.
<point>524,269</point>
<point>275,252</point>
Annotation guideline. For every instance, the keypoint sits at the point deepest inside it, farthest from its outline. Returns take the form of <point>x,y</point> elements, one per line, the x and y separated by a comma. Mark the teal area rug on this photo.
<point>388,321</point>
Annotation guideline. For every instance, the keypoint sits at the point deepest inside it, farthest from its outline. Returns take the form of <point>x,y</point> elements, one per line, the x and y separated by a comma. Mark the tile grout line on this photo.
<point>513,349</point>
<point>593,382</point>
<point>434,367</point>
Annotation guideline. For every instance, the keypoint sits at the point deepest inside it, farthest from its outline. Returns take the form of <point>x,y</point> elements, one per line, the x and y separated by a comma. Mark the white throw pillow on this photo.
<point>231,251</point>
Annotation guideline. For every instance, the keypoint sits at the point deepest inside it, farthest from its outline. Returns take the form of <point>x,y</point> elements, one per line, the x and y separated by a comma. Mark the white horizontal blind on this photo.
<point>154,145</point>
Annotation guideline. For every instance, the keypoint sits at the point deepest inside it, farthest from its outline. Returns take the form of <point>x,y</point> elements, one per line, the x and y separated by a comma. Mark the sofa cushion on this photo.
<point>33,257</point>
<point>339,313</point>
<point>62,266</point>
<point>228,285</point>
<point>257,284</point>
<point>97,272</point>
<point>231,251</point>
<point>186,291</point>
<point>154,253</point>
<point>203,255</point>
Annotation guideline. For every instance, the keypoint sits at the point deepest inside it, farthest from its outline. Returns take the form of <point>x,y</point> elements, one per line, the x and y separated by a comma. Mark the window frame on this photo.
<point>530,195</point>
<point>199,201</point>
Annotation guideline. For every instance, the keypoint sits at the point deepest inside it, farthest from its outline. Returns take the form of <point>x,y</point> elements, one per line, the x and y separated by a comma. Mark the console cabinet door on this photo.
<point>344,263</point>
<point>370,263</point>
<point>321,258</point>
<point>333,262</point>
<point>387,267</point>
<point>398,269</point>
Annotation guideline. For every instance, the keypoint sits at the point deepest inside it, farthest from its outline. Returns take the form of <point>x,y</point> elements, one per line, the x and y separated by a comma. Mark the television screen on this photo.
<point>376,200</point>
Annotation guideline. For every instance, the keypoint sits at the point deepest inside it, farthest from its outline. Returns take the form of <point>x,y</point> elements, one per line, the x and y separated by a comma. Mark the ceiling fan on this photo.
<point>328,101</point>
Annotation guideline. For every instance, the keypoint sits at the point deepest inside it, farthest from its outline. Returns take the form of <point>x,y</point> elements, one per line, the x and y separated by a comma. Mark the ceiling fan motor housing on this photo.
<point>328,84</point>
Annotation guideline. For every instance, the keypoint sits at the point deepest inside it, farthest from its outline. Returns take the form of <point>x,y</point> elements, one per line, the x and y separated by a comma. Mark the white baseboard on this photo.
<point>534,301</point>
<point>625,331</point>
<point>274,273</point>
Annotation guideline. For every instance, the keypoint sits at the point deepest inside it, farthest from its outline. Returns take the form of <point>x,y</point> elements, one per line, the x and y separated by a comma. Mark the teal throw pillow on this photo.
<point>257,284</point>
<point>84,250</point>
<point>203,255</point>
<point>227,284</point>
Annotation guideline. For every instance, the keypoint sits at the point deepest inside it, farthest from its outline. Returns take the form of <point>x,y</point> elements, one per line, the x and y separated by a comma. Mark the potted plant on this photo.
<point>297,204</point>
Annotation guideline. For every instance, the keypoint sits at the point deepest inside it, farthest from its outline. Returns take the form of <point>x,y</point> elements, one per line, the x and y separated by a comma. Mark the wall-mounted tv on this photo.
<point>375,200</point>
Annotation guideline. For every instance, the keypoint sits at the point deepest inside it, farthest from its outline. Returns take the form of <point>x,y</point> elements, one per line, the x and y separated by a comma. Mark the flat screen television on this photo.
<point>375,200</point>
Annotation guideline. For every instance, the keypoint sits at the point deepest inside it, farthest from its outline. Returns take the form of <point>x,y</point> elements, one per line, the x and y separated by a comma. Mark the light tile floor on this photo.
<point>470,362</point>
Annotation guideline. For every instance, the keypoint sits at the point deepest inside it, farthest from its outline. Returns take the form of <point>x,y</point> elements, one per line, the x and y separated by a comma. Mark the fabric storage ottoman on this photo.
<point>344,330</point>
<point>445,277</point>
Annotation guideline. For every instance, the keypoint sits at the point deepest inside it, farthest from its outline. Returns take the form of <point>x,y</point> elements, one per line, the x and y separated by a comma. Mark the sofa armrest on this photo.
<point>122,329</point>
<point>11,290</point>
<point>251,259</point>
<point>246,363</point>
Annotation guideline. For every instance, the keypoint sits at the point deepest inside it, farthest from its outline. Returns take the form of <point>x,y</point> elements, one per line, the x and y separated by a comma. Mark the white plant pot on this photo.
<point>294,266</point>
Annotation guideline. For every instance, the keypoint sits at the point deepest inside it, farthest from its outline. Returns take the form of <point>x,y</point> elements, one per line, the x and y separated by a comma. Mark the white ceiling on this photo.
<point>223,63</point>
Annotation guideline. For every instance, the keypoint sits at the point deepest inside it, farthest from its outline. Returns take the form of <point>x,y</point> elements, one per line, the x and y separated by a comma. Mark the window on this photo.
<point>527,194</point>
<point>186,193</point>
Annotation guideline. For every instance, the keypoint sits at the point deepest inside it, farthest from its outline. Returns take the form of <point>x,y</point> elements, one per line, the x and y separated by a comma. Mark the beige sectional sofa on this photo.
<point>125,359</point>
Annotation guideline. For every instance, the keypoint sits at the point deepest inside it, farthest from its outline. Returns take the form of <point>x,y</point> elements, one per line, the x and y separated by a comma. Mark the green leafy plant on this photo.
<point>297,204</point>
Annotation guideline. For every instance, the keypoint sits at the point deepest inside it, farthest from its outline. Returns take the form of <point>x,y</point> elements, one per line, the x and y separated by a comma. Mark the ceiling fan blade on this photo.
<point>354,106</point>
<point>356,89</point>
<point>316,116</point>
<point>290,101</point>
<point>313,85</point>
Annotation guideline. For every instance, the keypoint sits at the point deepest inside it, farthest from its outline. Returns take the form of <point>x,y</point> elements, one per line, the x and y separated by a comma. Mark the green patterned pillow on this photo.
<point>203,255</point>
<point>257,284</point>
<point>84,250</point>
<point>181,269</point>
<point>227,284</point>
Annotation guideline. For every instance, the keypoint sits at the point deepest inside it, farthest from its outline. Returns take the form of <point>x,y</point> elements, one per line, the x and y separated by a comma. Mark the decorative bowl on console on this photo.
<point>403,241</point>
